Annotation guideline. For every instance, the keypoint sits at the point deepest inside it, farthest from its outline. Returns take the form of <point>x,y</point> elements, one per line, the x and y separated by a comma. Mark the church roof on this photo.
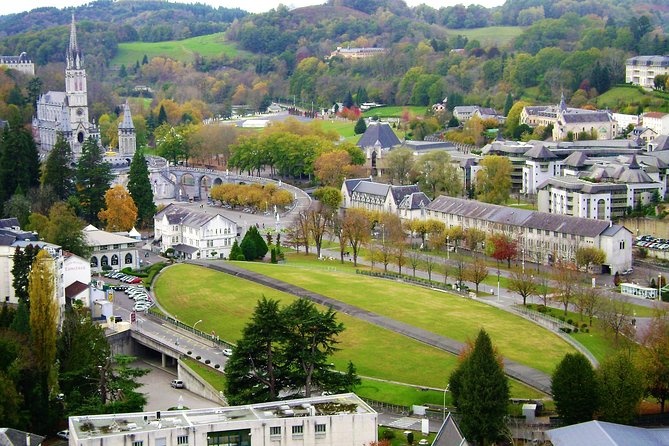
<point>127,117</point>
<point>378,133</point>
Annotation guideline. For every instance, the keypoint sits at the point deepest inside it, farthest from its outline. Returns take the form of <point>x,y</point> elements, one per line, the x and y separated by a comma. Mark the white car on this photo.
<point>227,351</point>
<point>141,306</point>
<point>65,435</point>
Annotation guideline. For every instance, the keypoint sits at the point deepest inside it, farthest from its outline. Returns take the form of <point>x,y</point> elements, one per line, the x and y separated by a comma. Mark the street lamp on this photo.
<point>522,251</point>
<point>659,285</point>
<point>444,407</point>
<point>448,247</point>
<point>196,324</point>
<point>498,295</point>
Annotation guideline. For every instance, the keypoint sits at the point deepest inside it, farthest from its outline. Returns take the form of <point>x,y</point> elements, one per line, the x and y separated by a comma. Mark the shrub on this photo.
<point>198,357</point>
<point>587,330</point>
<point>217,366</point>
<point>207,361</point>
<point>583,326</point>
<point>570,322</point>
<point>189,352</point>
<point>241,257</point>
<point>387,434</point>
<point>575,330</point>
<point>561,318</point>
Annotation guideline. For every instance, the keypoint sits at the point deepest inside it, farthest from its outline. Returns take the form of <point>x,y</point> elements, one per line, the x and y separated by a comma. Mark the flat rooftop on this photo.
<point>94,426</point>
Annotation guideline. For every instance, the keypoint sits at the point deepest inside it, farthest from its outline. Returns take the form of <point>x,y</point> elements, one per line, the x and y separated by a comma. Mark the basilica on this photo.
<point>66,112</point>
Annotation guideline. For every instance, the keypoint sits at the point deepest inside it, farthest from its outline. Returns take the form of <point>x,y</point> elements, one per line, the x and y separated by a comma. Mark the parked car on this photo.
<point>141,307</point>
<point>227,351</point>
<point>65,435</point>
<point>177,384</point>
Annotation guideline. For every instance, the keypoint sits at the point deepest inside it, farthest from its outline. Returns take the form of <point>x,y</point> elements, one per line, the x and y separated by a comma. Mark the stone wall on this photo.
<point>647,226</point>
<point>195,383</point>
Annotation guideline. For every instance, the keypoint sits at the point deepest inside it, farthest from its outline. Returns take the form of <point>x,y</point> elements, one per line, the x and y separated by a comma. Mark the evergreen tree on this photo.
<point>248,246</point>
<point>136,67</point>
<point>508,104</point>
<point>360,126</point>
<point>22,264</point>
<point>139,186</point>
<point>21,322</point>
<point>19,161</point>
<point>162,116</point>
<point>57,172</point>
<point>574,388</point>
<point>145,60</point>
<point>482,393</point>
<point>261,246</point>
<point>621,388</point>
<point>93,178</point>
<point>18,206</point>
<point>348,100</point>
<point>6,316</point>
<point>235,251</point>
<point>123,72</point>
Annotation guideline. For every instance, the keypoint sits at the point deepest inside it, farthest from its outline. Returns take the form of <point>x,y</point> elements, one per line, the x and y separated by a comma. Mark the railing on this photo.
<point>412,280</point>
<point>214,339</point>
<point>386,407</point>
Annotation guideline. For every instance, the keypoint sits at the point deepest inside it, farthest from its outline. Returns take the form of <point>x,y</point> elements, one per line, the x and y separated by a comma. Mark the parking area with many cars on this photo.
<point>134,290</point>
<point>650,242</point>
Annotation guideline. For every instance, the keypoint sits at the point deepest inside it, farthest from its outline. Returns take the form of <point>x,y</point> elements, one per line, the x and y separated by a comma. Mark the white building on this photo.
<point>656,121</point>
<point>76,278</point>
<point>111,251</point>
<point>641,70</point>
<point>66,112</point>
<point>372,196</point>
<point>542,237</point>
<point>20,63</point>
<point>625,121</point>
<point>335,420</point>
<point>194,234</point>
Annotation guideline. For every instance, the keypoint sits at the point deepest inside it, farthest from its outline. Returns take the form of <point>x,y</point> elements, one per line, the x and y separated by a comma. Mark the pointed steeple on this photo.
<point>74,59</point>
<point>127,118</point>
<point>633,163</point>
<point>563,103</point>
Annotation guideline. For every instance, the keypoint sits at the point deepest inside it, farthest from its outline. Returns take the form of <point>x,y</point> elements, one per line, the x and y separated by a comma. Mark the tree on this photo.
<point>318,224</point>
<point>616,317</point>
<point>332,167</point>
<point>654,358</point>
<point>120,213</point>
<point>435,173</point>
<point>589,255</point>
<point>93,177</point>
<point>57,172</point>
<point>255,371</point>
<point>513,117</point>
<point>588,301</point>
<point>360,126</point>
<point>567,281</point>
<point>620,386</point>
<point>474,237</point>
<point>311,338</point>
<point>574,389</point>
<point>139,186</point>
<point>62,228</point>
<point>477,273</point>
<point>18,206</point>
<point>236,252</point>
<point>22,264</point>
<point>399,163</point>
<point>482,393</point>
<point>523,284</point>
<point>355,227</point>
<point>502,247</point>
<point>348,100</point>
<point>330,198</point>
<point>253,246</point>
<point>508,104</point>
<point>493,180</point>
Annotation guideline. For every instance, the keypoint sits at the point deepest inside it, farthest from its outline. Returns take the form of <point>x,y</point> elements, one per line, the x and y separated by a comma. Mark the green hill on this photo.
<point>183,50</point>
<point>627,99</point>
<point>498,35</point>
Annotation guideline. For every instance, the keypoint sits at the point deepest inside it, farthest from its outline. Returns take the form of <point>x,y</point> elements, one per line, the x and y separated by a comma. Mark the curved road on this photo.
<point>531,377</point>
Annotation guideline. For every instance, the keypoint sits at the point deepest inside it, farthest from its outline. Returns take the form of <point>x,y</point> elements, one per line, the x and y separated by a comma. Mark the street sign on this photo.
<point>133,316</point>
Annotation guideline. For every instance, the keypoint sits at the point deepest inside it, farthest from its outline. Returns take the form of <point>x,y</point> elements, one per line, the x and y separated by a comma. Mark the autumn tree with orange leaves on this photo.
<point>120,213</point>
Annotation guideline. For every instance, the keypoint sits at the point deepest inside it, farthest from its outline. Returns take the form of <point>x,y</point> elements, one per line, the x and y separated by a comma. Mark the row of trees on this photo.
<point>255,196</point>
<point>286,348</point>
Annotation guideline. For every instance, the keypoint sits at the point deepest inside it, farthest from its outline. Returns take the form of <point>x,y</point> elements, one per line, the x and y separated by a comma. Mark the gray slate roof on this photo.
<point>353,182</point>
<point>661,142</point>
<point>185,248</point>
<point>449,434</point>
<point>14,437</point>
<point>576,159</point>
<point>586,117</point>
<point>519,217</point>
<point>601,433</point>
<point>381,133</point>
<point>11,222</point>
<point>540,152</point>
<point>189,217</point>
<point>415,200</point>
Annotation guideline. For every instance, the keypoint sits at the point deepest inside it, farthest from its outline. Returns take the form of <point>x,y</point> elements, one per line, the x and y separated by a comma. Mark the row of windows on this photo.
<point>297,429</point>
<point>104,260</point>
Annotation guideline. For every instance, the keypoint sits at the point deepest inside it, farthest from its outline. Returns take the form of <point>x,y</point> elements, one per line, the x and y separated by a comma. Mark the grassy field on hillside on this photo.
<point>225,303</point>
<point>441,313</point>
<point>394,111</point>
<point>181,50</point>
<point>626,99</point>
<point>498,35</point>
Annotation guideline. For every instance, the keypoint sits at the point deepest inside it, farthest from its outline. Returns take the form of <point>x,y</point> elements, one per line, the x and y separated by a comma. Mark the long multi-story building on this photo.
<point>542,237</point>
<point>641,70</point>
<point>318,421</point>
<point>367,194</point>
<point>20,63</point>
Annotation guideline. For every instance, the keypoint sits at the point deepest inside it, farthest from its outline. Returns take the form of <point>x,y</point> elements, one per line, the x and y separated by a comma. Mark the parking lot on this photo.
<point>650,242</point>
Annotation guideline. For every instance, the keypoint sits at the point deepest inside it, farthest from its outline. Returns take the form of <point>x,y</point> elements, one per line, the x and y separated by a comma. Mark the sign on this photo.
<point>133,317</point>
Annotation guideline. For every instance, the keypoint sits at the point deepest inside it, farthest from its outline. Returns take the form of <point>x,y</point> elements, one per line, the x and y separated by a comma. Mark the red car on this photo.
<point>136,280</point>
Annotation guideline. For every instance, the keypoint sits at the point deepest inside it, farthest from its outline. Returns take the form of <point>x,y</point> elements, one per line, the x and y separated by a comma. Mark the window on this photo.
<point>94,262</point>
<point>240,437</point>
<point>114,260</point>
<point>116,246</point>
<point>275,430</point>
<point>182,439</point>
<point>298,430</point>
<point>104,261</point>
<point>128,258</point>
<point>320,428</point>
<point>138,443</point>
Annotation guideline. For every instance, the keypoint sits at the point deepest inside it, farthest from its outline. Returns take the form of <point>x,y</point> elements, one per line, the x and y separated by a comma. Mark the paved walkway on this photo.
<point>527,375</point>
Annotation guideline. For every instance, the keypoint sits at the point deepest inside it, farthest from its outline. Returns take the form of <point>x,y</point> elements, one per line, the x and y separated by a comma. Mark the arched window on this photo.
<point>104,261</point>
<point>114,260</point>
<point>94,262</point>
<point>128,258</point>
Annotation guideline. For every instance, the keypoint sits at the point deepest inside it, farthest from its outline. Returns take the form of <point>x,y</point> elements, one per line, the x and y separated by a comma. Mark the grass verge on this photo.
<point>216,379</point>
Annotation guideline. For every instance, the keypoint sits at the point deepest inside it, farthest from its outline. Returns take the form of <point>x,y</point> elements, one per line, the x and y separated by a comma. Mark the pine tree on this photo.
<point>574,388</point>
<point>21,322</point>
<point>348,101</point>
<point>123,71</point>
<point>93,178</point>
<point>57,172</point>
<point>261,246</point>
<point>139,186</point>
<point>508,104</point>
<point>22,264</point>
<point>162,116</point>
<point>248,245</point>
<point>235,251</point>
<point>360,126</point>
<point>482,393</point>
<point>19,161</point>
<point>145,60</point>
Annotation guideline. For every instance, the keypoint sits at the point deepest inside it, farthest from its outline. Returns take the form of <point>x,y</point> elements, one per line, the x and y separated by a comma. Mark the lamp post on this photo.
<point>444,407</point>
<point>522,251</point>
<point>498,295</point>
<point>659,285</point>
<point>448,247</point>
<point>196,324</point>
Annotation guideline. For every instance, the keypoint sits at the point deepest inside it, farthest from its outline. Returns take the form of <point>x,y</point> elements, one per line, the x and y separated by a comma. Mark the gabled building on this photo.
<point>367,194</point>
<point>656,121</point>
<point>542,237</point>
<point>111,251</point>
<point>14,437</point>
<point>602,433</point>
<point>377,140</point>
<point>194,234</point>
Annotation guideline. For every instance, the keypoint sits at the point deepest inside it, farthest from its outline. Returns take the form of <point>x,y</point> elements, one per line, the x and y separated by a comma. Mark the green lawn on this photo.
<point>394,111</point>
<point>626,99</point>
<point>216,379</point>
<point>442,313</point>
<point>182,50</point>
<point>225,303</point>
<point>497,35</point>
<point>344,128</point>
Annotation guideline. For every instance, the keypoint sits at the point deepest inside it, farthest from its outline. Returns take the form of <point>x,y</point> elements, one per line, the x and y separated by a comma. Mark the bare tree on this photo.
<point>317,222</point>
<point>476,273</point>
<point>460,269</point>
<point>414,259</point>
<point>567,281</point>
<point>399,253</point>
<point>301,224</point>
<point>543,290</point>
<point>523,284</point>
<point>429,266</point>
<point>338,231</point>
<point>355,228</point>
<point>385,255</point>
<point>615,315</point>
<point>588,301</point>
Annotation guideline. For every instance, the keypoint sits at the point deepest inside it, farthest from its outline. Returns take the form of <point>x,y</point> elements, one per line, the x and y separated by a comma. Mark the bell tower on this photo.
<point>76,90</point>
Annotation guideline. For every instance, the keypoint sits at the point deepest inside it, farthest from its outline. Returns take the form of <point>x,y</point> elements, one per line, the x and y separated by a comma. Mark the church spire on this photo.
<point>563,103</point>
<point>127,118</point>
<point>74,60</point>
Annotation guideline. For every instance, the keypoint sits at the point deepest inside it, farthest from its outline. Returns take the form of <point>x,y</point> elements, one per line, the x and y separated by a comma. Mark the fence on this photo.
<point>414,280</point>
<point>388,408</point>
<point>212,338</point>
